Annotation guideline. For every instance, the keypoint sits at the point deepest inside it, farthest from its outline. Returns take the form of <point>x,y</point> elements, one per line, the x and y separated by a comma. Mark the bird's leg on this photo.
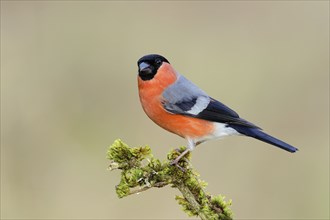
<point>175,162</point>
<point>191,146</point>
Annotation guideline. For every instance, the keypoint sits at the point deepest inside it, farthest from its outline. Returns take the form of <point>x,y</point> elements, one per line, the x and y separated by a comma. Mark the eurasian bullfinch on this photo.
<point>179,106</point>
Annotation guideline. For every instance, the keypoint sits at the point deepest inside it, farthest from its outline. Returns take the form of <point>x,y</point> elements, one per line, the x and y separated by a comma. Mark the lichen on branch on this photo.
<point>140,171</point>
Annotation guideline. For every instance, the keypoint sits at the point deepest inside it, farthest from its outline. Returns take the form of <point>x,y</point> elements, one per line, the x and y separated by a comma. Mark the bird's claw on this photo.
<point>176,160</point>
<point>176,163</point>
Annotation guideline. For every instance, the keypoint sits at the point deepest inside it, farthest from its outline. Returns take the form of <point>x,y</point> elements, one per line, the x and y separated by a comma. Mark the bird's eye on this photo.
<point>158,61</point>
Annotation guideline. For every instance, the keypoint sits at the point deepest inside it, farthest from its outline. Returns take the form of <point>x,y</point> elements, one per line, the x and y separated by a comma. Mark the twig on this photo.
<point>140,171</point>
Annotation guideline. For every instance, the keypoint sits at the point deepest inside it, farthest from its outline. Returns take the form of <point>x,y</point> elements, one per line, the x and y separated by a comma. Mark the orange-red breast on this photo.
<point>179,106</point>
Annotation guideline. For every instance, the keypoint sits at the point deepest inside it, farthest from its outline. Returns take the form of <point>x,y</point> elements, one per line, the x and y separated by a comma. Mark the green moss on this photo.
<point>186,206</point>
<point>141,171</point>
<point>218,202</point>
<point>119,152</point>
<point>122,189</point>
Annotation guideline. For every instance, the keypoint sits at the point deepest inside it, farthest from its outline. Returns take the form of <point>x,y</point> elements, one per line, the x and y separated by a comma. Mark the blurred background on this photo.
<point>69,89</point>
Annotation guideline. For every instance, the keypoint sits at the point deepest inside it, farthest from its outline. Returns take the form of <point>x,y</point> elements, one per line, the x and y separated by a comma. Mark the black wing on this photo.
<point>215,111</point>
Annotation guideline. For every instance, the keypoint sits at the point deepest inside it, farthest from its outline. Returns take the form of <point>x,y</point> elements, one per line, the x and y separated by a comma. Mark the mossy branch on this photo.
<point>140,171</point>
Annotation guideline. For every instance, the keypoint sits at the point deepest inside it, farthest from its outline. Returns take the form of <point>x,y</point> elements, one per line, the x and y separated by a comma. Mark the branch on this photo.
<point>140,171</point>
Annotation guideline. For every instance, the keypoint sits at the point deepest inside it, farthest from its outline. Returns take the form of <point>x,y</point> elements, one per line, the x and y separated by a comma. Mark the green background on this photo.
<point>68,90</point>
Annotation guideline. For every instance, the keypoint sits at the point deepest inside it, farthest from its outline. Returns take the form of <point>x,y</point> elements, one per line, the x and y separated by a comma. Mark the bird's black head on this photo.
<point>149,64</point>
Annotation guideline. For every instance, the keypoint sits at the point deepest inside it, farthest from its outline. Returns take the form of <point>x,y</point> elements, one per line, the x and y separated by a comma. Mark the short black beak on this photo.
<point>145,69</point>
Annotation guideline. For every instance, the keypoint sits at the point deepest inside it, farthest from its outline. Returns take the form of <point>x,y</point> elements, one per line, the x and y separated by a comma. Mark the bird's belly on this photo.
<point>181,125</point>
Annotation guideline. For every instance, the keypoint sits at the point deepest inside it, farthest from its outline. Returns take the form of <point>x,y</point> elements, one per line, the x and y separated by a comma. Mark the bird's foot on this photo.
<point>176,160</point>
<point>175,163</point>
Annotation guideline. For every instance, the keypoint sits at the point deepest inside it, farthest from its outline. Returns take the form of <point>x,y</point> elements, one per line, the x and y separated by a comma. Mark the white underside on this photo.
<point>220,131</point>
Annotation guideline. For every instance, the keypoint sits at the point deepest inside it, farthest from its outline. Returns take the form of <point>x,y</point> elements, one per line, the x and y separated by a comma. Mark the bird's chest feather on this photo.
<point>150,93</point>
<point>151,98</point>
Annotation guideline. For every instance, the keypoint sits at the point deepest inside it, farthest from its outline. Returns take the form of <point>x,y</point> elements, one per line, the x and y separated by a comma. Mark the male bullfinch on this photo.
<point>179,106</point>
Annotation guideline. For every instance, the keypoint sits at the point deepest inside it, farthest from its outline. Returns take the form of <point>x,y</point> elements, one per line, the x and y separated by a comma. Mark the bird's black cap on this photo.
<point>152,58</point>
<point>149,64</point>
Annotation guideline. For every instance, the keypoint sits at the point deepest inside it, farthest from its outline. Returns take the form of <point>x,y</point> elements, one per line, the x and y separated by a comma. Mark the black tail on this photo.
<point>258,134</point>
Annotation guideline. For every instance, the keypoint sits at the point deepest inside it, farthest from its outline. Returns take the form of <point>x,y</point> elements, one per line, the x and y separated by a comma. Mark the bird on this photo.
<point>179,106</point>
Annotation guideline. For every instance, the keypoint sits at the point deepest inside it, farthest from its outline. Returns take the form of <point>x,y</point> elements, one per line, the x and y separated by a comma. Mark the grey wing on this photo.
<point>185,98</point>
